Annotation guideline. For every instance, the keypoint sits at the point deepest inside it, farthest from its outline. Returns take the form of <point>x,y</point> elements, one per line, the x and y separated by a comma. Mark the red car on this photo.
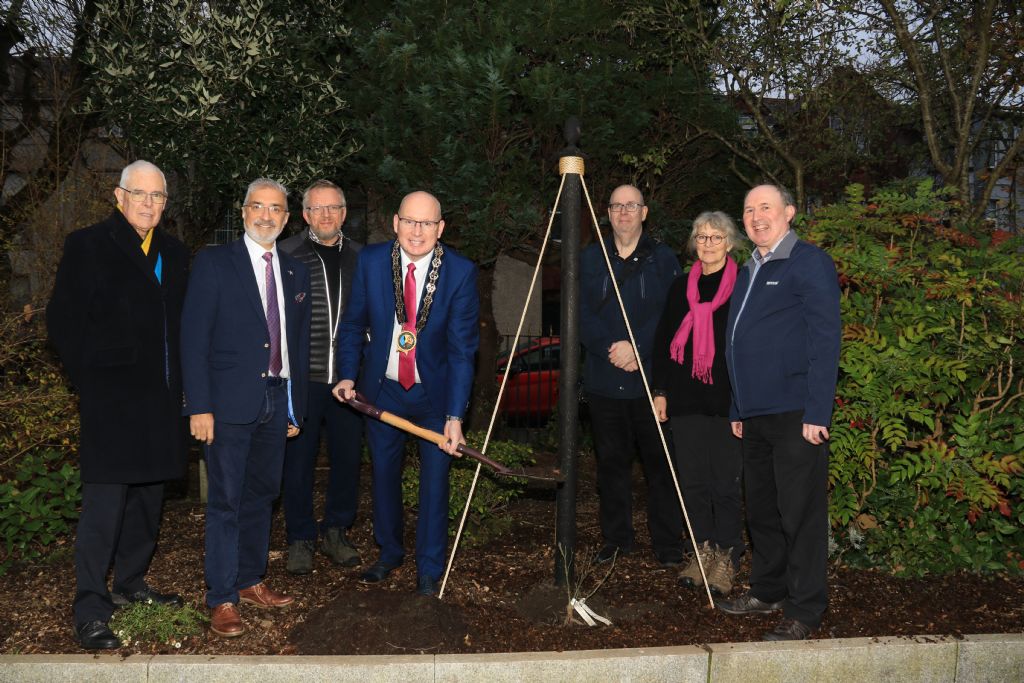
<point>531,393</point>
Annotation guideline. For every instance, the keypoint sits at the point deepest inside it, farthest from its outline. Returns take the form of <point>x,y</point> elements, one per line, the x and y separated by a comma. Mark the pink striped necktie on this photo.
<point>273,318</point>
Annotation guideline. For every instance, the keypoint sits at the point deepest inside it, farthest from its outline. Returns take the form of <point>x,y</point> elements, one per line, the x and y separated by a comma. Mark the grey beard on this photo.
<point>317,240</point>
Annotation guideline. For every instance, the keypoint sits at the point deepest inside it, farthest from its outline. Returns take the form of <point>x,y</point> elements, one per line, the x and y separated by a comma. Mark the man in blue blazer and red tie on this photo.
<point>245,343</point>
<point>418,299</point>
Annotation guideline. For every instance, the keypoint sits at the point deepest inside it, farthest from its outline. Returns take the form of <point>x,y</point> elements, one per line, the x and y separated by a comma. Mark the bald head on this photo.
<point>627,212</point>
<point>418,224</point>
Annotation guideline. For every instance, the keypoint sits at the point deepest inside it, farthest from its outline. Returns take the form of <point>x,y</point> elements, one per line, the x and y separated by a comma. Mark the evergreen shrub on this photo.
<point>39,485</point>
<point>926,464</point>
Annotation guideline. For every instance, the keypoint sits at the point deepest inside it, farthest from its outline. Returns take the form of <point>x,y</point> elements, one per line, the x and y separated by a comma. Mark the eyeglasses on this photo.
<point>139,196</point>
<point>331,209</point>
<point>409,224</point>
<point>631,207</point>
<point>258,207</point>
<point>709,239</point>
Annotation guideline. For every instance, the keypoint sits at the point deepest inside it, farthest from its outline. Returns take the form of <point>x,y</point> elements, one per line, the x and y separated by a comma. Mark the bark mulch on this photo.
<point>500,596</point>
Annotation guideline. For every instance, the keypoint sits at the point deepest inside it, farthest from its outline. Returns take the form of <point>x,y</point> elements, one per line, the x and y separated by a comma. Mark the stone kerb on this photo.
<point>995,658</point>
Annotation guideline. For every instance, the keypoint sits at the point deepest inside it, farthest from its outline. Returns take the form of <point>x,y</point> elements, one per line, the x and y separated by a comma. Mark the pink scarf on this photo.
<point>699,319</point>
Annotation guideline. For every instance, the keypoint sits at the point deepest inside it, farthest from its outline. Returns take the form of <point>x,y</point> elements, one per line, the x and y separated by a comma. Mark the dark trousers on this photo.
<point>244,477</point>
<point>387,448</point>
<point>344,428</point>
<point>710,462</point>
<point>118,525</point>
<point>620,427</point>
<point>786,480</point>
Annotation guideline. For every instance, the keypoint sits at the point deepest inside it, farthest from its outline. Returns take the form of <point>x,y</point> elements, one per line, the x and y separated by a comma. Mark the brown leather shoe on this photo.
<point>263,597</point>
<point>225,621</point>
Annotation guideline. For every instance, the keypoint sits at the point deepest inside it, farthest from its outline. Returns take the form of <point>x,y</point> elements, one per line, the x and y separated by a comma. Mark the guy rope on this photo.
<point>575,165</point>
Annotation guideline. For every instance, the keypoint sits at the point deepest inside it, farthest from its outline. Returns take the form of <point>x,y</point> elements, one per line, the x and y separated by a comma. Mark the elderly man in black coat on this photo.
<point>114,318</point>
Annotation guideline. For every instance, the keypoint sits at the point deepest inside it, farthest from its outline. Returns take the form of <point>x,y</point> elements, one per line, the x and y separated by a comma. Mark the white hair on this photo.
<point>140,165</point>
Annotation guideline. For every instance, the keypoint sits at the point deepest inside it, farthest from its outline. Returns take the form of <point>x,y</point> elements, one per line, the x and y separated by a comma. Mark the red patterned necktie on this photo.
<point>273,318</point>
<point>407,360</point>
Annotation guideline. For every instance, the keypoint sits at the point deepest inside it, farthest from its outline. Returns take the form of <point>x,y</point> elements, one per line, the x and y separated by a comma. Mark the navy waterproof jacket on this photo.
<point>783,349</point>
<point>644,279</point>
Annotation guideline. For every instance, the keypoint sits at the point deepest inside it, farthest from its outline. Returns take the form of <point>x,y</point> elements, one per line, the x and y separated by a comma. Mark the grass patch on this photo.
<point>160,624</point>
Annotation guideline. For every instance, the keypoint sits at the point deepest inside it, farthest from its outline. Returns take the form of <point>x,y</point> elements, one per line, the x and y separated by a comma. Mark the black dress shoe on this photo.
<point>789,629</point>
<point>96,635</point>
<point>426,586</point>
<point>147,594</point>
<point>377,572</point>
<point>748,604</point>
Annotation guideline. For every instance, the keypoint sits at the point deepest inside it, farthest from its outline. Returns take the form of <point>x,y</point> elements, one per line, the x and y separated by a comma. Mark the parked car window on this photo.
<point>550,357</point>
<point>532,360</point>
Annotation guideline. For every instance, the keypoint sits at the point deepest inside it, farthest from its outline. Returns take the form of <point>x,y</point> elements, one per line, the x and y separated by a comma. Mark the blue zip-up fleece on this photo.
<point>783,349</point>
<point>644,278</point>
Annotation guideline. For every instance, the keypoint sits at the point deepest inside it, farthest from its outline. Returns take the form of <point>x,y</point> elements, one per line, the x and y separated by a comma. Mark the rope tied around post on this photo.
<point>571,165</point>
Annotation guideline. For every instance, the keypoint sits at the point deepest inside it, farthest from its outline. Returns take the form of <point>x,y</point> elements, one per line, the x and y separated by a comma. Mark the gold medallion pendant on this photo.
<point>406,341</point>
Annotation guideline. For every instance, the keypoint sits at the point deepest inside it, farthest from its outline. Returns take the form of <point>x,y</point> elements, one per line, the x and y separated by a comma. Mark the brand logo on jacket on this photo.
<point>772,283</point>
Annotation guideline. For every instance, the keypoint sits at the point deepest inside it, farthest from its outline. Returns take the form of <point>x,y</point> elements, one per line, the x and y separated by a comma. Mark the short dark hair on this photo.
<point>787,196</point>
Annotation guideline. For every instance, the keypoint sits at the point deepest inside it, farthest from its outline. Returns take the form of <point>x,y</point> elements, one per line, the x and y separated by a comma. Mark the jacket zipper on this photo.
<point>330,318</point>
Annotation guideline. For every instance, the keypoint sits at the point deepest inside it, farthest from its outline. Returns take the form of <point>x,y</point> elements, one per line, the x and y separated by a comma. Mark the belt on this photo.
<point>276,381</point>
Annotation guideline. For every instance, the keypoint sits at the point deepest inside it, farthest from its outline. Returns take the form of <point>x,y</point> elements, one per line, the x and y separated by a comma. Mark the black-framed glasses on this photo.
<point>139,196</point>
<point>709,239</point>
<point>409,224</point>
<point>631,207</point>
<point>330,209</point>
<point>258,207</point>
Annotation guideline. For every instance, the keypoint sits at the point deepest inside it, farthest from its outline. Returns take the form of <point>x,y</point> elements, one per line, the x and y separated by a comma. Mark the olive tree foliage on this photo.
<point>771,60</point>
<point>220,93</point>
<point>960,63</point>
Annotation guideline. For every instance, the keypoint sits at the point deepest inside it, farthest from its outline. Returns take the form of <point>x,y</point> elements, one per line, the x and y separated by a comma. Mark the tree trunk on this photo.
<point>485,390</point>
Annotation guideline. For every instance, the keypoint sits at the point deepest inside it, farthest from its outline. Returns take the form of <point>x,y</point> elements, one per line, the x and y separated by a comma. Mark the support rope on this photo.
<point>647,389</point>
<point>504,381</point>
<point>575,165</point>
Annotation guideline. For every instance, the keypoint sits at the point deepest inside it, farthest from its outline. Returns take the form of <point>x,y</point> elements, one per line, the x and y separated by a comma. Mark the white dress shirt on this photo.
<point>259,267</point>
<point>422,268</point>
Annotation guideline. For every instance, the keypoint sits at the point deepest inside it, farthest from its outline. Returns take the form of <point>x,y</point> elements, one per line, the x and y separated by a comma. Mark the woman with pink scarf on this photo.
<point>691,389</point>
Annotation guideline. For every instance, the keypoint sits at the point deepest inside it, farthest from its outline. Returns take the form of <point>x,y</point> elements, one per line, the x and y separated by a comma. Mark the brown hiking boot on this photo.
<point>690,576</point>
<point>721,572</point>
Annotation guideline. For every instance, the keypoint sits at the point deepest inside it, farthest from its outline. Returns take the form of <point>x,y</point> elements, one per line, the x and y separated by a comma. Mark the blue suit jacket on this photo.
<point>225,346</point>
<point>446,346</point>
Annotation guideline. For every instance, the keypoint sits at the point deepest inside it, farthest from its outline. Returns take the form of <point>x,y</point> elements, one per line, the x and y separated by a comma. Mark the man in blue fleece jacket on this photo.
<point>782,349</point>
<point>620,414</point>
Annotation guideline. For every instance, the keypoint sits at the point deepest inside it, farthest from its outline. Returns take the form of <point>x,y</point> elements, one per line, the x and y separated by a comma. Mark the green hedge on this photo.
<point>927,434</point>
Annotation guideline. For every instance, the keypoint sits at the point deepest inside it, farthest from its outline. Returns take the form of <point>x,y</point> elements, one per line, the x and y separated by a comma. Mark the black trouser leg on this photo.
<point>613,448</point>
<point>137,541</point>
<point>664,516</point>
<point>786,481</point>
<point>99,526</point>
<point>692,458</point>
<point>726,476</point>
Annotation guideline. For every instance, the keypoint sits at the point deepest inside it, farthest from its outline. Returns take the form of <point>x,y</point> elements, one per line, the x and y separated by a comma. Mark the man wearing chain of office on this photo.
<point>418,299</point>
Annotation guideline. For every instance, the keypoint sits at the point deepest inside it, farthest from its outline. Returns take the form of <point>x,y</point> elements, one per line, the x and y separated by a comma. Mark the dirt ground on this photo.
<point>500,596</point>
